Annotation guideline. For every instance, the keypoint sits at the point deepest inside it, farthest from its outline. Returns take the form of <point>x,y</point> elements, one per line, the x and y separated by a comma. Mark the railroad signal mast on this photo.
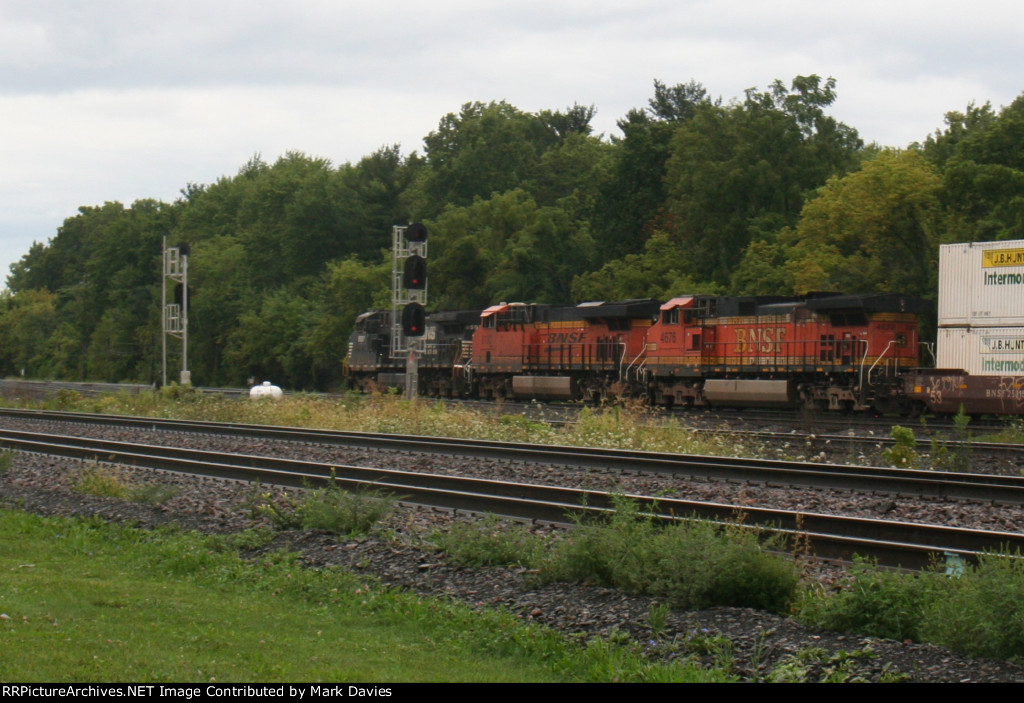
<point>408,293</point>
<point>175,313</point>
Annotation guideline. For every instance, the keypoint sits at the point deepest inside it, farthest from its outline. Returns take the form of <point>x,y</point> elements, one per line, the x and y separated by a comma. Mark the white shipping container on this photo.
<point>981,351</point>
<point>981,284</point>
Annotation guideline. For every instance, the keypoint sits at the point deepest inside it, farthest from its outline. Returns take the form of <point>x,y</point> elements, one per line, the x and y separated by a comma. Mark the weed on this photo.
<point>99,481</point>
<point>152,493</point>
<point>873,602</point>
<point>246,540</point>
<point>279,509</point>
<point>814,665</point>
<point>977,612</point>
<point>6,459</point>
<point>329,508</point>
<point>713,645</point>
<point>657,615</point>
<point>903,453</point>
<point>693,564</point>
<point>958,457</point>
<point>111,482</point>
<point>490,542</point>
<point>343,512</point>
<point>981,612</point>
<point>64,399</point>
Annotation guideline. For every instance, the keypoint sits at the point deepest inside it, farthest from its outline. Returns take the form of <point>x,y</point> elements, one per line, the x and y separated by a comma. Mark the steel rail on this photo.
<point>910,545</point>
<point>907,482</point>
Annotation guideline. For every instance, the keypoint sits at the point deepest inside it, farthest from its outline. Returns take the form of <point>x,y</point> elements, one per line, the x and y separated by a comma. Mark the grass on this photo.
<point>616,427</point>
<point>83,601</point>
<point>112,482</point>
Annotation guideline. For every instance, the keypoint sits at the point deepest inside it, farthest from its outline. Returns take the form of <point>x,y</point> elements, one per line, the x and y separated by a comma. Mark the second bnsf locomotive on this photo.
<point>837,352</point>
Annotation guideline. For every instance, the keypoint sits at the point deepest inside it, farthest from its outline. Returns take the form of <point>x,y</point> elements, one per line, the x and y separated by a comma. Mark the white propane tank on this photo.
<point>266,390</point>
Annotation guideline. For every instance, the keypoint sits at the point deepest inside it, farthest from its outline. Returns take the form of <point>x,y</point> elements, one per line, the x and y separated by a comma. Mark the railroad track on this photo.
<point>910,545</point>
<point>902,482</point>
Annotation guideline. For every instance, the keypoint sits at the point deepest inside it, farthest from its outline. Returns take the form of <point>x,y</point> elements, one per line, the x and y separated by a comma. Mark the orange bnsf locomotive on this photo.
<point>828,352</point>
<point>823,351</point>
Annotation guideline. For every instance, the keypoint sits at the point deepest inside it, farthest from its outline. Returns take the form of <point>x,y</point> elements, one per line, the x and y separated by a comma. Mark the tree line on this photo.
<point>765,193</point>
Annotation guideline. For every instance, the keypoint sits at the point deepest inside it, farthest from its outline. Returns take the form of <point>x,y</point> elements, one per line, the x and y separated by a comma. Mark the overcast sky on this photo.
<point>130,99</point>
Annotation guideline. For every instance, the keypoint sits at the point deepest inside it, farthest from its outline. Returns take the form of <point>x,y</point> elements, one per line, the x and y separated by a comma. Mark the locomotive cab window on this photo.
<point>671,317</point>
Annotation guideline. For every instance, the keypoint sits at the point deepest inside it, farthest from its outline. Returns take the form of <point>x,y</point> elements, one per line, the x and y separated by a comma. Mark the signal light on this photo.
<point>416,232</point>
<point>181,295</point>
<point>414,320</point>
<point>415,275</point>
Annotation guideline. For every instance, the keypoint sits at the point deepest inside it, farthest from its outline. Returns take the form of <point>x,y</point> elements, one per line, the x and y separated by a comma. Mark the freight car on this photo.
<point>980,343</point>
<point>822,352</point>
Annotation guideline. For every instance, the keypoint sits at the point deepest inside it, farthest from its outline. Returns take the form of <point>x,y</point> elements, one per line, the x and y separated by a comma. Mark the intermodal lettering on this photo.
<point>1002,345</point>
<point>1004,279</point>
<point>1000,366</point>
<point>993,258</point>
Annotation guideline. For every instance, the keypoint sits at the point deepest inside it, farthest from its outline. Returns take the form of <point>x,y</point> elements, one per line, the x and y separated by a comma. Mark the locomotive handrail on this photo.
<point>633,364</point>
<point>878,358</point>
<point>930,348</point>
<point>860,376</point>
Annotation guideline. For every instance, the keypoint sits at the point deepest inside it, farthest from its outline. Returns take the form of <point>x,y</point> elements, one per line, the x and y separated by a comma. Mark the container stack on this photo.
<point>981,308</point>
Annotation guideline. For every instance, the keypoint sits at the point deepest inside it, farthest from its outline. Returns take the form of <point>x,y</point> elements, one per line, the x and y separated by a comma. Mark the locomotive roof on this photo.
<point>461,317</point>
<point>874,302</point>
<point>632,308</point>
<point>747,305</point>
<point>682,301</point>
<point>367,315</point>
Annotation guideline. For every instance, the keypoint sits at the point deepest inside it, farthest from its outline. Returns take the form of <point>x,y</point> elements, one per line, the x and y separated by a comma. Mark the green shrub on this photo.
<point>329,508</point>
<point>874,602</point>
<point>903,453</point>
<point>701,565</point>
<point>982,611</point>
<point>343,512</point>
<point>111,482</point>
<point>6,459</point>
<point>99,481</point>
<point>280,510</point>
<point>979,612</point>
<point>490,542</point>
<point>694,564</point>
<point>64,399</point>
<point>613,552</point>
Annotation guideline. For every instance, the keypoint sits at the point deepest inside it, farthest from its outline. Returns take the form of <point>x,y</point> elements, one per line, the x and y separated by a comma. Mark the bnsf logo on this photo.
<point>566,338</point>
<point>764,340</point>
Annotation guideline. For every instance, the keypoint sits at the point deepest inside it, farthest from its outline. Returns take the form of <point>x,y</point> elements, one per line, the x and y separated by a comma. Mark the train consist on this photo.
<point>823,352</point>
